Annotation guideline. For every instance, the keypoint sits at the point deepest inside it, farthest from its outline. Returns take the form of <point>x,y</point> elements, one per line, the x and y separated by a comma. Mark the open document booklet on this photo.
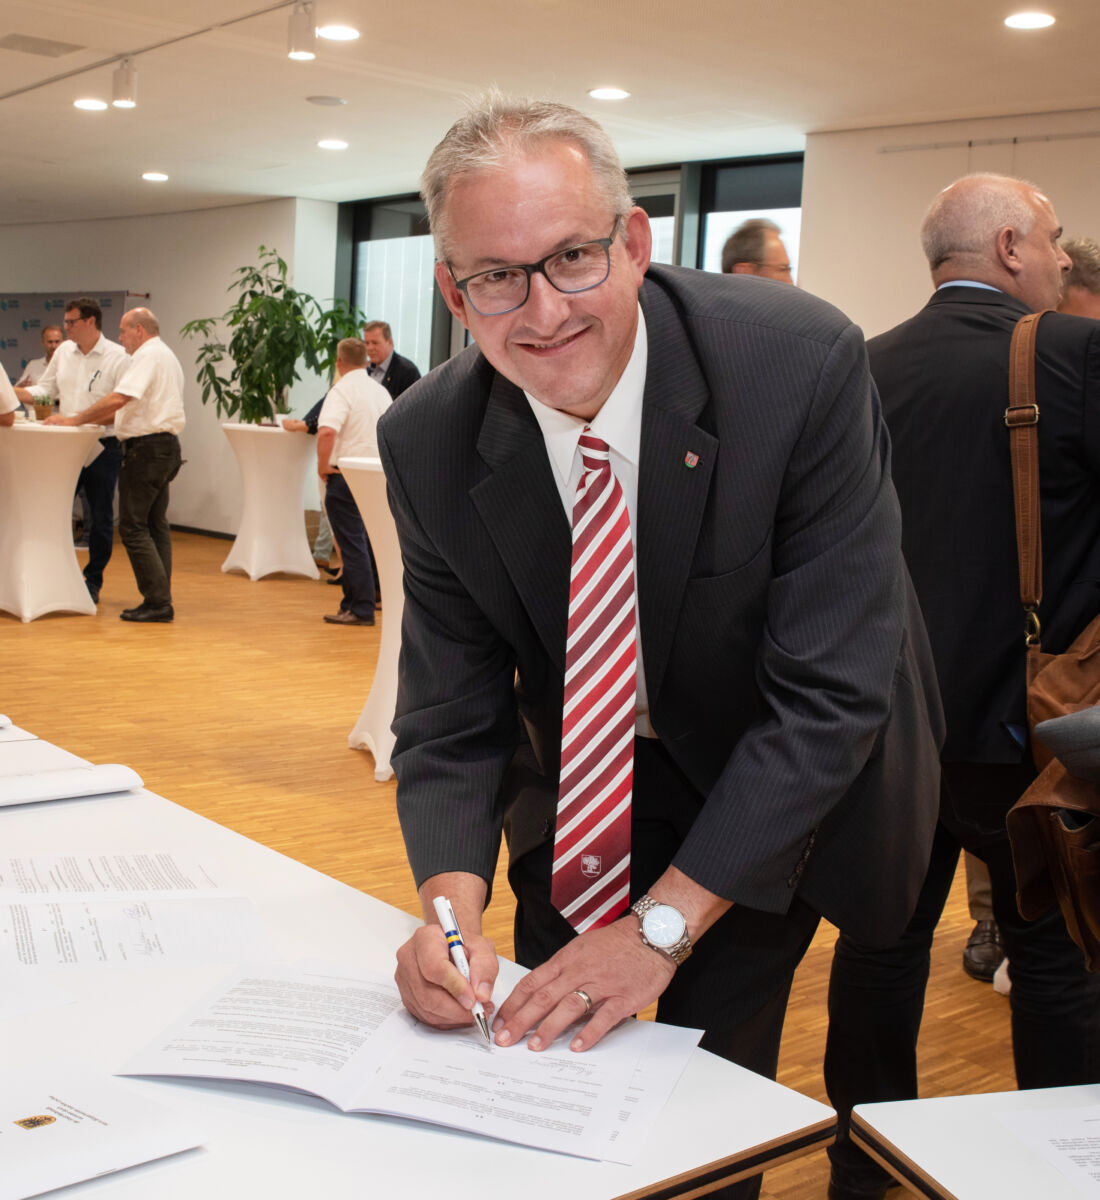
<point>346,1038</point>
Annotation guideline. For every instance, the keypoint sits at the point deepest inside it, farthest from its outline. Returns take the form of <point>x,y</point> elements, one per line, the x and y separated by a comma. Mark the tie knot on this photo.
<point>595,453</point>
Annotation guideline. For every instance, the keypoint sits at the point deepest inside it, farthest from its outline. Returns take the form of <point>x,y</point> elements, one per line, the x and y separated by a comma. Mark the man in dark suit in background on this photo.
<point>785,763</point>
<point>392,370</point>
<point>992,244</point>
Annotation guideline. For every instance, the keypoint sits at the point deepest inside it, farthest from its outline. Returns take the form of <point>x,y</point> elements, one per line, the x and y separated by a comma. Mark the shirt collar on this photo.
<point>618,423</point>
<point>972,283</point>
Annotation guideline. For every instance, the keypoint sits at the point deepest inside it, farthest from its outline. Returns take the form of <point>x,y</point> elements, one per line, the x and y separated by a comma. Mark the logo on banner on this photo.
<point>591,865</point>
<point>34,1122</point>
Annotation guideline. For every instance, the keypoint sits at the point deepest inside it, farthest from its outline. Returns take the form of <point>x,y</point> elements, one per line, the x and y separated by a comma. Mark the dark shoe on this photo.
<point>329,570</point>
<point>145,613</point>
<point>336,577</point>
<point>984,951</point>
<point>93,591</point>
<point>349,618</point>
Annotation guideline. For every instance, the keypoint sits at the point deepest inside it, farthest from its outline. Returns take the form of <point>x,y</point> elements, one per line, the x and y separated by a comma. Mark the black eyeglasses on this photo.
<point>574,269</point>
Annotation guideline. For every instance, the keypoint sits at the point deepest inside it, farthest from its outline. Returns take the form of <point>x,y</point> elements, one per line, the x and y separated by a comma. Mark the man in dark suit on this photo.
<point>786,758</point>
<point>392,370</point>
<point>993,247</point>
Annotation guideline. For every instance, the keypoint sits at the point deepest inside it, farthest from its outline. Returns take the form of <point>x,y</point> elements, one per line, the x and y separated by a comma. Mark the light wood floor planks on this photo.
<point>240,711</point>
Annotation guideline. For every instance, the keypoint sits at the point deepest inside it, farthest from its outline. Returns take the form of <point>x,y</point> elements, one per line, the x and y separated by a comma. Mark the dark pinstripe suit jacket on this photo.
<point>787,669</point>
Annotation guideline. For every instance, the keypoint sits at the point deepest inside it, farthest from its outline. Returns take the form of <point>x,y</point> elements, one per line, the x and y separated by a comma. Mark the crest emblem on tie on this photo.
<point>591,865</point>
<point>691,459</point>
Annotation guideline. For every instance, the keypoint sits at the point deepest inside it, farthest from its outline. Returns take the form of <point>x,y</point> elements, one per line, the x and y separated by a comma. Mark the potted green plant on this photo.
<point>273,327</point>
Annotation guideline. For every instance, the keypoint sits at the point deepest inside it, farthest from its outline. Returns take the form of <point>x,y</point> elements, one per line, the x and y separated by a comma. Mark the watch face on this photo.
<point>663,925</point>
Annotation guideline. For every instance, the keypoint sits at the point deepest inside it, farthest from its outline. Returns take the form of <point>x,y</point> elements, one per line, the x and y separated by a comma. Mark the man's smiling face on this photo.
<point>567,350</point>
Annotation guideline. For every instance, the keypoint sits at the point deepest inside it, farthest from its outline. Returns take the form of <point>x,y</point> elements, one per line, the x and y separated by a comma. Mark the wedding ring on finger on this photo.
<point>586,998</point>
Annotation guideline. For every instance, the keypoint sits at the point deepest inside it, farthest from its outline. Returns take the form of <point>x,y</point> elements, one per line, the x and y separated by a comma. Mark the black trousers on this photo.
<point>149,464</point>
<point>876,997</point>
<point>98,479</point>
<point>737,981</point>
<point>351,536</point>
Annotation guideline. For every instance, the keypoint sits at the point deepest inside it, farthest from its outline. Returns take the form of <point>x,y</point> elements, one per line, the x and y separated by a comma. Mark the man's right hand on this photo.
<point>432,987</point>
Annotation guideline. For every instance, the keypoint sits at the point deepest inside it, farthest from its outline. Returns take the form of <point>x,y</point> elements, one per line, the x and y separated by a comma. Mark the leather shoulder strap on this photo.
<point>1022,419</point>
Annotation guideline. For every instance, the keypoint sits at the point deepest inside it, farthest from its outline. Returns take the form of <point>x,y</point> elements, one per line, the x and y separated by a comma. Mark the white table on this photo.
<point>272,534</point>
<point>955,1148</point>
<point>721,1123</point>
<point>372,730</point>
<point>39,467</point>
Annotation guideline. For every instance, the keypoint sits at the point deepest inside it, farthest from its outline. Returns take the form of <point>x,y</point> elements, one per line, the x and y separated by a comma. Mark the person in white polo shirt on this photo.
<point>346,428</point>
<point>147,405</point>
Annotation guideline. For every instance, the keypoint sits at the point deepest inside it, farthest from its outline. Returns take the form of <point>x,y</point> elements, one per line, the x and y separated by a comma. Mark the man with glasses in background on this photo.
<point>755,248</point>
<point>83,370</point>
<point>699,703</point>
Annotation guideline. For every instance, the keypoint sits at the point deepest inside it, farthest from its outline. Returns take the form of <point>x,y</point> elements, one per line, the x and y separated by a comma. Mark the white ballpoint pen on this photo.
<point>449,922</point>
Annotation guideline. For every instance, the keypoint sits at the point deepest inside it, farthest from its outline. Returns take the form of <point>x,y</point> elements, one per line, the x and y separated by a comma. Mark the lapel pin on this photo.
<point>691,460</point>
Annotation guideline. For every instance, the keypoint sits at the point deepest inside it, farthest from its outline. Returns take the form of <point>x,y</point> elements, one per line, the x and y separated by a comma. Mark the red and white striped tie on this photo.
<point>591,873</point>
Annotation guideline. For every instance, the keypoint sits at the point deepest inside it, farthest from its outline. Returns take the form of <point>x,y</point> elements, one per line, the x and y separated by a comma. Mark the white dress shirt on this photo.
<point>619,424</point>
<point>9,402</point>
<point>154,378</point>
<point>78,380</point>
<point>33,371</point>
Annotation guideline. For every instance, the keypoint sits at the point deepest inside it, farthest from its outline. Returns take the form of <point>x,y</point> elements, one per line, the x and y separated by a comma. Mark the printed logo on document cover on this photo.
<point>591,865</point>
<point>35,1122</point>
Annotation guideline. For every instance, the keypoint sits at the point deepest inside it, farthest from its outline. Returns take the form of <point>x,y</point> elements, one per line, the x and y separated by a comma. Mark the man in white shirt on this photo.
<point>8,400</point>
<point>147,404</point>
<point>52,337</point>
<point>346,427</point>
<point>81,372</point>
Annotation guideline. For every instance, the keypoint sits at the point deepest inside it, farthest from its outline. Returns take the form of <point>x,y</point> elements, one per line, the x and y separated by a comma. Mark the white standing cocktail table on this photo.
<point>39,467</point>
<point>372,730</point>
<point>272,534</point>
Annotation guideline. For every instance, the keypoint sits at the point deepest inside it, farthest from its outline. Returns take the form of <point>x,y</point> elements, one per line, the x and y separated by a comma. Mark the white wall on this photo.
<point>864,194</point>
<point>185,261</point>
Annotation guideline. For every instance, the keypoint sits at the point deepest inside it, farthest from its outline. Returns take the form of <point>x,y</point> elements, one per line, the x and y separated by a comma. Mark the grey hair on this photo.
<point>746,243</point>
<point>1084,253</point>
<point>144,318</point>
<point>494,129</point>
<point>964,219</point>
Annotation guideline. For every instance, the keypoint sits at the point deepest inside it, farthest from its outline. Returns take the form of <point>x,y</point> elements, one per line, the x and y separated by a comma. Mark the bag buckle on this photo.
<point>1022,414</point>
<point>1032,627</point>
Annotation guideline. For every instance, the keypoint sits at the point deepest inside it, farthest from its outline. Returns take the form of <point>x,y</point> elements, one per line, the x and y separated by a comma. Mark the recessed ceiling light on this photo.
<point>90,105</point>
<point>608,93</point>
<point>332,144</point>
<point>155,176</point>
<point>338,33</point>
<point>327,101</point>
<point>1029,20</point>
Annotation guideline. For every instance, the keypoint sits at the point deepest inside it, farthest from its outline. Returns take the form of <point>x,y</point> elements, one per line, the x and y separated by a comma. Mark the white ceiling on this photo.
<point>224,113</point>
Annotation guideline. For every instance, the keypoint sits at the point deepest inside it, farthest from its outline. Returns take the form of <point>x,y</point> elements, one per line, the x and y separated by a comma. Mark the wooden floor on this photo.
<point>240,710</point>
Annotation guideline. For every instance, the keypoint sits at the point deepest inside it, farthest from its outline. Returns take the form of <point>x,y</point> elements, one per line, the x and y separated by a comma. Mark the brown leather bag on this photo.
<point>1054,827</point>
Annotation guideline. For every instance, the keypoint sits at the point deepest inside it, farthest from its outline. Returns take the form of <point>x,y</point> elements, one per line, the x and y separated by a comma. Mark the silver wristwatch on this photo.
<point>662,928</point>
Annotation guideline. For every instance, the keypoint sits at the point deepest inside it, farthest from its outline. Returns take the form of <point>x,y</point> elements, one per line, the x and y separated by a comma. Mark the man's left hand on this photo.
<point>612,966</point>
<point>58,419</point>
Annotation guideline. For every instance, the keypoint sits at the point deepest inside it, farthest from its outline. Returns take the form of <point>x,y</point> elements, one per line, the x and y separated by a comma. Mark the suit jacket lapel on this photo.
<point>522,510</point>
<point>678,457</point>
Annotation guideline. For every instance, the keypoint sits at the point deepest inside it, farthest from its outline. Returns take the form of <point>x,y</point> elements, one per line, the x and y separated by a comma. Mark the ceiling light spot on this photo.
<point>338,33</point>
<point>608,93</point>
<point>327,101</point>
<point>332,144</point>
<point>155,176</point>
<point>124,84</point>
<point>1029,20</point>
<point>89,104</point>
<point>301,32</point>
